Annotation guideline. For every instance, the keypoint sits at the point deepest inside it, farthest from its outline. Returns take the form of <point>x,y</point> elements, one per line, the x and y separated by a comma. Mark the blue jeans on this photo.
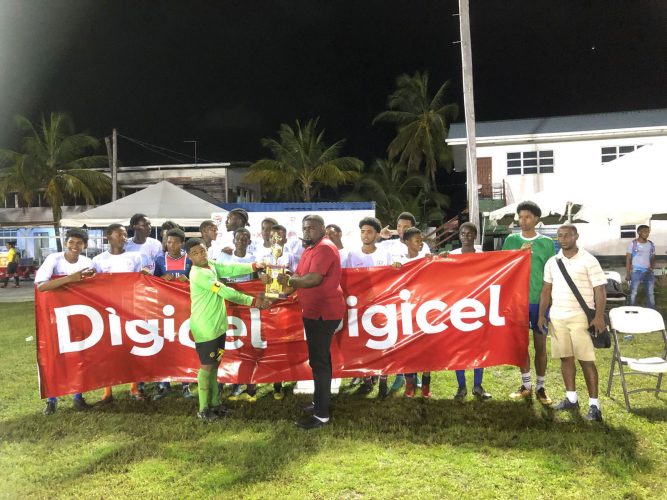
<point>638,277</point>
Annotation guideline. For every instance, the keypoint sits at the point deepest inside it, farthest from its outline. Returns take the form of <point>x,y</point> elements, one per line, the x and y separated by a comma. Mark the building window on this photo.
<point>629,231</point>
<point>530,162</point>
<point>5,236</point>
<point>611,153</point>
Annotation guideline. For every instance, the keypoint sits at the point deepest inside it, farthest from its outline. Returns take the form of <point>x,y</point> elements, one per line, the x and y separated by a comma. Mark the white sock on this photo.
<point>539,382</point>
<point>594,402</point>
<point>324,420</point>
<point>571,396</point>
<point>525,380</point>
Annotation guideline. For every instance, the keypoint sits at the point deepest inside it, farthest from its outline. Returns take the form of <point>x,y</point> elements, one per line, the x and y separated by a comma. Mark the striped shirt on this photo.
<point>586,273</point>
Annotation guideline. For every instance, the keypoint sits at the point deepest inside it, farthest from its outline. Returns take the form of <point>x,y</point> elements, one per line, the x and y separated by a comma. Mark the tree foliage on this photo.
<point>422,124</point>
<point>302,163</point>
<point>55,160</point>
<point>395,190</point>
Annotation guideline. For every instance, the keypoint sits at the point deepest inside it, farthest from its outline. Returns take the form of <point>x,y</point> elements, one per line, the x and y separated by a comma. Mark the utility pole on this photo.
<point>114,165</point>
<point>469,109</point>
<point>195,143</point>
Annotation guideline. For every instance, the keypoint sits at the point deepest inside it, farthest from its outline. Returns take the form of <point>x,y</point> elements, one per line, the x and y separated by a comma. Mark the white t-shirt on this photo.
<point>458,251</point>
<point>286,259</point>
<point>148,250</point>
<point>357,258</point>
<point>404,259</point>
<point>214,250</point>
<point>262,252</point>
<point>396,248</point>
<point>224,258</point>
<point>226,240</point>
<point>55,264</point>
<point>126,262</point>
<point>295,247</point>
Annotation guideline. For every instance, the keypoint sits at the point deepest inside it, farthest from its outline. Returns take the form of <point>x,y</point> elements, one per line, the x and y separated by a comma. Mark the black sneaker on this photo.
<point>80,404</point>
<point>365,388</point>
<point>220,411</point>
<point>479,392</point>
<point>309,409</point>
<point>383,390</point>
<point>162,392</point>
<point>207,415</point>
<point>309,423</point>
<point>50,408</point>
<point>594,414</point>
<point>461,394</point>
<point>566,405</point>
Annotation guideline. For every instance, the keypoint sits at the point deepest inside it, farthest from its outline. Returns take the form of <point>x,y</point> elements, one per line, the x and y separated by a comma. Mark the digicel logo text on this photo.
<point>380,322</point>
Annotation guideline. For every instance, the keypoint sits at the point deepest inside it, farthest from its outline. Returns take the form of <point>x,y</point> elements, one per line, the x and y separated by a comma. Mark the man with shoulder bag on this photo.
<point>573,279</point>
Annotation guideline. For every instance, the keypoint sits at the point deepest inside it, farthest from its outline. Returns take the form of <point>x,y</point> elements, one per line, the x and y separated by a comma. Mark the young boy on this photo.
<point>173,265</point>
<point>414,242</point>
<point>117,260</point>
<point>142,242</point>
<point>467,235</point>
<point>541,250</point>
<point>208,319</point>
<point>639,263</point>
<point>369,255</point>
<point>73,268</point>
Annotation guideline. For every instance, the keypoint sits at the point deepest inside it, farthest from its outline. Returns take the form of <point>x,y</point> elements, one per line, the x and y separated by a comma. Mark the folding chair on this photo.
<point>615,295</point>
<point>635,321</point>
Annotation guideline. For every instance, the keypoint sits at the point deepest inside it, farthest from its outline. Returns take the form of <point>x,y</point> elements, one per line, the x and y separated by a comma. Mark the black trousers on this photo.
<point>319,333</point>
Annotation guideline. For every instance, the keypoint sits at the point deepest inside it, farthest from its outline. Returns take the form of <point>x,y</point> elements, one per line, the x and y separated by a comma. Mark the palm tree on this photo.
<point>422,124</point>
<point>53,160</point>
<point>394,190</point>
<point>302,163</point>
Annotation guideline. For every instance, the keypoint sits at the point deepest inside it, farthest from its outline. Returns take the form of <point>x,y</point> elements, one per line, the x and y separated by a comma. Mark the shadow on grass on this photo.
<point>258,440</point>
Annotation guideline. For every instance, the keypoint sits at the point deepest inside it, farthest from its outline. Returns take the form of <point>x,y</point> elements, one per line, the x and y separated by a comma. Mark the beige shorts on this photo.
<point>570,337</point>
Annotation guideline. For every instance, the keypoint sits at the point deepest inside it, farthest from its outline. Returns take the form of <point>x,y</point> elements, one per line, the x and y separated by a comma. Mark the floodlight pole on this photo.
<point>114,165</point>
<point>469,110</point>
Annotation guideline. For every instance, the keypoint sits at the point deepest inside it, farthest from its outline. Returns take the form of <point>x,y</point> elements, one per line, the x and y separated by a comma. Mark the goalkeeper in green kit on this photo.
<point>208,319</point>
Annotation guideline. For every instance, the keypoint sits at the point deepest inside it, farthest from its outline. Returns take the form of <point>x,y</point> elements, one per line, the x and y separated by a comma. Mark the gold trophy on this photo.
<point>275,290</point>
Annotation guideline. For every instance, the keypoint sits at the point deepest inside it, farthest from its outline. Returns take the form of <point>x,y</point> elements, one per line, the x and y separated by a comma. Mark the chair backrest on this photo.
<point>631,319</point>
<point>614,276</point>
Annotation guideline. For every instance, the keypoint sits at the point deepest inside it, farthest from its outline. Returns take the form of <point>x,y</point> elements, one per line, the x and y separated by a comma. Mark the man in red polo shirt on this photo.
<point>317,283</point>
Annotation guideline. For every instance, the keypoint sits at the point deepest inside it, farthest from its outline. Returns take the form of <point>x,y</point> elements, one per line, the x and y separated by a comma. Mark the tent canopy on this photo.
<point>625,191</point>
<point>160,202</point>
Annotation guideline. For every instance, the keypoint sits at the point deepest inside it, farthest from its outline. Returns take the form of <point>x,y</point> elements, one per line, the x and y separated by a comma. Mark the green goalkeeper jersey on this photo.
<point>208,314</point>
<point>542,249</point>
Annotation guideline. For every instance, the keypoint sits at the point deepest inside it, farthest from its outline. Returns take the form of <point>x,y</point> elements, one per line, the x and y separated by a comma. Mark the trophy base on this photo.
<point>273,295</point>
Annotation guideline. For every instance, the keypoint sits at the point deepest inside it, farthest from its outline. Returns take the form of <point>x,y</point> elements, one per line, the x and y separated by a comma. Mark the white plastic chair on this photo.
<point>635,321</point>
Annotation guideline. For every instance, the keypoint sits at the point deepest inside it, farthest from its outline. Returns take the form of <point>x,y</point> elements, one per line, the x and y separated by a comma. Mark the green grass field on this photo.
<point>395,448</point>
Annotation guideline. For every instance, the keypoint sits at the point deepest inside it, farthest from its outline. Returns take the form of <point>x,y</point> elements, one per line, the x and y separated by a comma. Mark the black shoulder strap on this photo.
<point>573,287</point>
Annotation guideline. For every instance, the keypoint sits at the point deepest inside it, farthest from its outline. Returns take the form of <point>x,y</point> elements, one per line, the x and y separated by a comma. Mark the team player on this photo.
<point>393,242</point>
<point>369,255</point>
<point>141,242</point>
<point>335,234</point>
<point>72,267</point>
<point>237,218</point>
<point>414,242</point>
<point>209,233</point>
<point>208,319</point>
<point>467,235</point>
<point>265,248</point>
<point>541,250</point>
<point>117,260</point>
<point>173,265</point>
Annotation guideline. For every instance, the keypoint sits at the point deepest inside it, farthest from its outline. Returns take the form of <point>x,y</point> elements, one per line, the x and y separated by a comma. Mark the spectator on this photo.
<point>639,263</point>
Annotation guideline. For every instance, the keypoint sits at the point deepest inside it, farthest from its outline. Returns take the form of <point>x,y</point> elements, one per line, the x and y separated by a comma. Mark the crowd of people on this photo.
<point>312,268</point>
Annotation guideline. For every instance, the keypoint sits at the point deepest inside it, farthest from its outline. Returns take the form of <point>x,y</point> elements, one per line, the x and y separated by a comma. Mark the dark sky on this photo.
<point>227,73</point>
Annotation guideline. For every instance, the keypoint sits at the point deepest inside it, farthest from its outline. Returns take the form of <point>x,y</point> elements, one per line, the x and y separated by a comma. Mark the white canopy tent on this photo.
<point>160,202</point>
<point>629,190</point>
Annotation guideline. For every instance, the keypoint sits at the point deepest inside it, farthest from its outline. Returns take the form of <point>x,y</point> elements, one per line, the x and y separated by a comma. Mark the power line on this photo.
<point>158,150</point>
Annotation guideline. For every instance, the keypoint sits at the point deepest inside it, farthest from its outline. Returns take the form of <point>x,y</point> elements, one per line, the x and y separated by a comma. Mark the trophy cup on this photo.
<point>275,290</point>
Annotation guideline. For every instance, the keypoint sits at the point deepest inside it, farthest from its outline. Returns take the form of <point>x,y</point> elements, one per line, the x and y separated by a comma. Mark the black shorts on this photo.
<point>211,351</point>
<point>12,267</point>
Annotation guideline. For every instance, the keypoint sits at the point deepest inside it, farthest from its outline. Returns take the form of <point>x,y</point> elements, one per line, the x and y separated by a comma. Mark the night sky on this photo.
<point>228,73</point>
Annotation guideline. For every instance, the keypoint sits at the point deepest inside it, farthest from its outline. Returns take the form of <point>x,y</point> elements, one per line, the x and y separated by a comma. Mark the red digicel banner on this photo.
<point>465,311</point>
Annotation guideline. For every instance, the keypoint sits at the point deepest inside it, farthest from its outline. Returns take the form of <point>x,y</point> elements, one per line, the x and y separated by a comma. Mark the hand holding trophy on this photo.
<point>274,268</point>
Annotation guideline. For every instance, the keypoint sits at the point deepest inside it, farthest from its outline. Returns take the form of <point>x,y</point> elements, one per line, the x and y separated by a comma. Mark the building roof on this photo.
<point>301,206</point>
<point>653,121</point>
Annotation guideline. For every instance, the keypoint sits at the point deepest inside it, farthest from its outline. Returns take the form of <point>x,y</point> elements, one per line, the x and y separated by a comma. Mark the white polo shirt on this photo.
<point>586,273</point>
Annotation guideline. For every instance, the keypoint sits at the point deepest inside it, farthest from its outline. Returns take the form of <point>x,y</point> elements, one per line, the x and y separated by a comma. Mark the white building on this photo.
<point>522,157</point>
<point>519,158</point>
